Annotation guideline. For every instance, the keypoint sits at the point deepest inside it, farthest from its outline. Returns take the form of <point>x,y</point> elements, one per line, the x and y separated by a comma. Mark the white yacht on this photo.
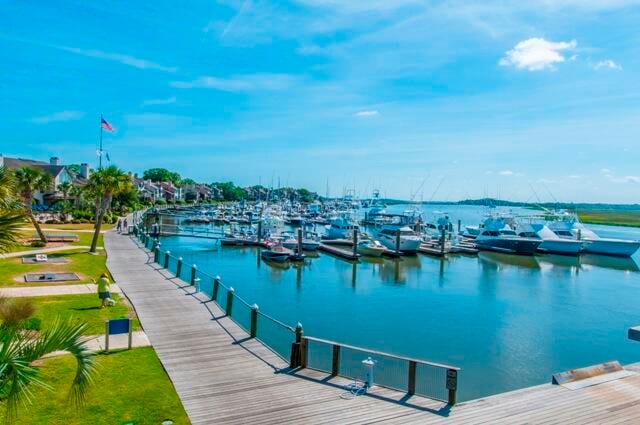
<point>568,227</point>
<point>341,226</point>
<point>387,234</point>
<point>551,243</point>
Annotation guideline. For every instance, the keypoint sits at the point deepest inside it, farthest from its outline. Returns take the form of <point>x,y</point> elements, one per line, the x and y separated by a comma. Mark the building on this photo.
<point>59,174</point>
<point>198,192</point>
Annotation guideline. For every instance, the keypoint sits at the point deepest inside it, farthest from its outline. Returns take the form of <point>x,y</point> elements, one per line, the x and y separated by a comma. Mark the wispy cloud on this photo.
<point>369,113</point>
<point>537,54</point>
<point>58,116</point>
<point>118,57</point>
<point>240,83</point>
<point>166,101</point>
<point>609,175</point>
<point>607,64</point>
<point>506,173</point>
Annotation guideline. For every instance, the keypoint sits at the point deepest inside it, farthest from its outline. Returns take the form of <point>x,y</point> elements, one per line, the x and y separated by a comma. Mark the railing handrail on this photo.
<point>381,353</point>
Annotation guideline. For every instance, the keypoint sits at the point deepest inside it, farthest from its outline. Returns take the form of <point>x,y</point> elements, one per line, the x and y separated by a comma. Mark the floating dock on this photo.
<point>347,254</point>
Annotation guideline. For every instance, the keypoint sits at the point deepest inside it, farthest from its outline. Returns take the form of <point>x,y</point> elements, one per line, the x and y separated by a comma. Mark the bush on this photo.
<point>38,244</point>
<point>161,202</point>
<point>32,324</point>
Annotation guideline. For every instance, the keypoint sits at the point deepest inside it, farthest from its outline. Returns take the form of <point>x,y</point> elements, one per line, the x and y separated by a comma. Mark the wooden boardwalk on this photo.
<point>224,377</point>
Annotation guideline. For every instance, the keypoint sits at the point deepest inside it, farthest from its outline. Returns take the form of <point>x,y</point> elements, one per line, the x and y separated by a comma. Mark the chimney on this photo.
<point>54,160</point>
<point>84,170</point>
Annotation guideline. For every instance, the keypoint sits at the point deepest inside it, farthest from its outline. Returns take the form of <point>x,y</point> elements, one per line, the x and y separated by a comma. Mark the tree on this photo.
<point>230,192</point>
<point>65,188</point>
<point>28,181</point>
<point>187,182</point>
<point>161,175</point>
<point>103,185</point>
<point>11,217</point>
<point>20,349</point>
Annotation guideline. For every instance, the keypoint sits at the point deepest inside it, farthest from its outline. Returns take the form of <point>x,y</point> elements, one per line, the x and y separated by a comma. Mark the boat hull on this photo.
<point>613,247</point>
<point>508,246</point>
<point>407,245</point>
<point>370,252</point>
<point>561,247</point>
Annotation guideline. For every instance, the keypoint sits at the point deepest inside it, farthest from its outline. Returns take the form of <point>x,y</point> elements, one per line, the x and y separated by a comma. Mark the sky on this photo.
<point>532,100</point>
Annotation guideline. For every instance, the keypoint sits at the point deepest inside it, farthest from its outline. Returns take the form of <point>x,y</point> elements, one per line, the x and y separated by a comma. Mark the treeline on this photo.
<point>551,205</point>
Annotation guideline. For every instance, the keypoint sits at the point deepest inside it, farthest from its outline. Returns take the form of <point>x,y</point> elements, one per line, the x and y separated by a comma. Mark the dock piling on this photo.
<point>299,240</point>
<point>254,320</point>
<point>179,267</point>
<point>398,241</point>
<point>216,288</point>
<point>229,308</point>
<point>167,255</point>
<point>355,243</point>
<point>194,270</point>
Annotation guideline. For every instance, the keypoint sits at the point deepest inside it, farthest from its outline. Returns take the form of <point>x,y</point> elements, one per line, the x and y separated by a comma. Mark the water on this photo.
<point>509,322</point>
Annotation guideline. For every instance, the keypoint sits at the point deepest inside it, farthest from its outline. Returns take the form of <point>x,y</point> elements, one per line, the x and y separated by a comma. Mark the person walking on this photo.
<point>125,227</point>
<point>119,226</point>
<point>103,290</point>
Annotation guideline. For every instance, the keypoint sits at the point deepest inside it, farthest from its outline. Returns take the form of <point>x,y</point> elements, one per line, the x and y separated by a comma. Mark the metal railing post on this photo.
<point>179,267</point>
<point>216,288</point>
<point>194,270</point>
<point>254,320</point>
<point>167,254</point>
<point>230,301</point>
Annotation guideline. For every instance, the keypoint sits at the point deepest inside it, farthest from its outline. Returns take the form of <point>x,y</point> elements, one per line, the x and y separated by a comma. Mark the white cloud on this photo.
<point>371,113</point>
<point>607,64</point>
<point>58,116</point>
<point>605,171</point>
<point>241,83</point>
<point>506,173</point>
<point>167,101</point>
<point>118,57</point>
<point>536,54</point>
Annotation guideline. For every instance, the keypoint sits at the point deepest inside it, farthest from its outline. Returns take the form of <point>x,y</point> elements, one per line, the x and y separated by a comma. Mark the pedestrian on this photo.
<point>119,226</point>
<point>103,290</point>
<point>125,226</point>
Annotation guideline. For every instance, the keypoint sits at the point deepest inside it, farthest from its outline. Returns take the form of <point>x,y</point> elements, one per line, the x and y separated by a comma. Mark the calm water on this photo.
<point>509,322</point>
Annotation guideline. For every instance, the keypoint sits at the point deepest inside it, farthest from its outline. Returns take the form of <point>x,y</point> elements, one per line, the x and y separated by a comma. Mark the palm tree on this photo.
<point>76,193</point>
<point>65,188</point>
<point>20,348</point>
<point>11,217</point>
<point>103,185</point>
<point>28,181</point>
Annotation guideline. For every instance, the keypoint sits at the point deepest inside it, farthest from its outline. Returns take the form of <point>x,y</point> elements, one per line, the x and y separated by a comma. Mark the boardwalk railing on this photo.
<point>413,376</point>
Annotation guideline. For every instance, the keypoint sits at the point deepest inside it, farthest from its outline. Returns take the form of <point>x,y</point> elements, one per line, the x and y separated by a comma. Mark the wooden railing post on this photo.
<point>229,308</point>
<point>452,385</point>
<point>411,387</point>
<point>335,360</point>
<point>297,358</point>
<point>254,320</point>
<point>194,270</point>
<point>398,241</point>
<point>179,267</point>
<point>167,254</point>
<point>216,288</point>
<point>156,253</point>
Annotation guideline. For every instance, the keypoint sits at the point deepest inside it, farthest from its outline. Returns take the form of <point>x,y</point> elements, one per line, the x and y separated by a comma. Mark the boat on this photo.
<point>568,227</point>
<point>409,241</point>
<point>505,240</point>
<point>276,253</point>
<point>308,244</point>
<point>199,219</point>
<point>551,243</point>
<point>370,248</point>
<point>342,226</point>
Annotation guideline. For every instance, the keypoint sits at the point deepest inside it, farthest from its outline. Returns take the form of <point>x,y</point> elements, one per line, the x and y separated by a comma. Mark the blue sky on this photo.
<point>442,99</point>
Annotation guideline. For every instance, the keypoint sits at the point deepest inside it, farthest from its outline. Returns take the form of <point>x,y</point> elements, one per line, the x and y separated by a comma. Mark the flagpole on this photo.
<point>100,160</point>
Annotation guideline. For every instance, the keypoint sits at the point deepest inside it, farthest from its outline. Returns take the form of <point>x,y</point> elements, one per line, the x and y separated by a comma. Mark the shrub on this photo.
<point>38,244</point>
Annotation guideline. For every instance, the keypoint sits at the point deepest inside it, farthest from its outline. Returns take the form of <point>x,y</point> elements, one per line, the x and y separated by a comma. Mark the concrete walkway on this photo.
<point>96,343</point>
<point>45,251</point>
<point>40,291</point>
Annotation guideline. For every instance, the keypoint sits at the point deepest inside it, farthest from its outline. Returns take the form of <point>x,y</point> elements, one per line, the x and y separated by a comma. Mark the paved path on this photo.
<point>223,377</point>
<point>45,250</point>
<point>39,291</point>
<point>96,343</point>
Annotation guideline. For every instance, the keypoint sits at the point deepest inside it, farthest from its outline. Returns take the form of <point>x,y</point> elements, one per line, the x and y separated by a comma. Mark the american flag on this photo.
<point>105,125</point>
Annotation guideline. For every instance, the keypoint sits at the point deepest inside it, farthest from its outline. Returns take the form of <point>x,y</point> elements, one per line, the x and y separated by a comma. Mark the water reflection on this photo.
<point>395,270</point>
<point>617,263</point>
<point>498,261</point>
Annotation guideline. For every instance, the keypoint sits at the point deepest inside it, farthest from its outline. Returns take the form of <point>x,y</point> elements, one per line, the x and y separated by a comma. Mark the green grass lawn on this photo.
<point>78,226</point>
<point>130,387</point>
<point>88,266</point>
<point>86,238</point>
<point>613,218</point>
<point>83,308</point>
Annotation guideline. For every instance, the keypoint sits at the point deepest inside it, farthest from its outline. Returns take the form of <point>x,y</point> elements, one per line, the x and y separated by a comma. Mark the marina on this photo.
<point>515,301</point>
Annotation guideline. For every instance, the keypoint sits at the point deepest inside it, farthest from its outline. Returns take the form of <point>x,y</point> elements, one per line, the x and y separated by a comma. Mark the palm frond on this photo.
<point>10,223</point>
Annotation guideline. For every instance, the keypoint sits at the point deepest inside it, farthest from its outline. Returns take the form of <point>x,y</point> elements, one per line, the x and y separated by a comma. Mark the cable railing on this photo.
<point>413,376</point>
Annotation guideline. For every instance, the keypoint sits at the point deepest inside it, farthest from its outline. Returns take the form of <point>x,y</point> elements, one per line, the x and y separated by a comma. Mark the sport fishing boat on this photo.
<point>308,244</point>
<point>276,253</point>
<point>388,235</point>
<point>568,227</point>
<point>500,237</point>
<point>341,226</point>
<point>551,243</point>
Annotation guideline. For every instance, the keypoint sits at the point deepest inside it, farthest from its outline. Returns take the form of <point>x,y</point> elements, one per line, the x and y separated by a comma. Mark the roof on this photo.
<point>15,163</point>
